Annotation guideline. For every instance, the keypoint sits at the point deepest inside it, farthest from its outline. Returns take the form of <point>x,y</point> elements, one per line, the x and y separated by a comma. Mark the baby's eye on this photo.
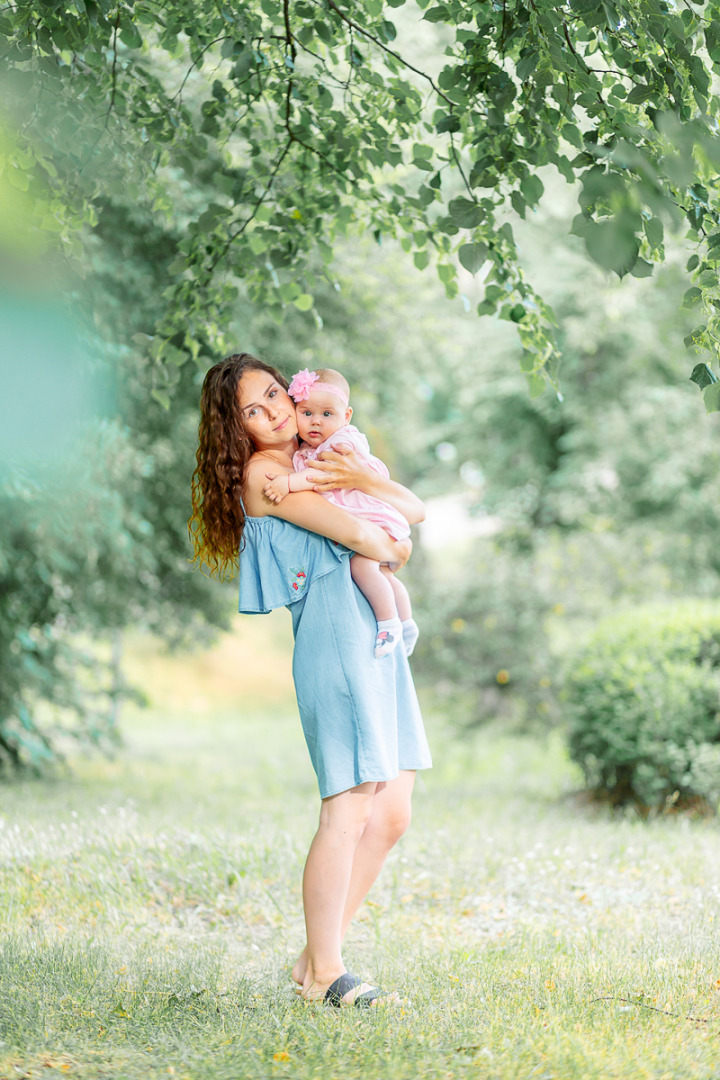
<point>328,412</point>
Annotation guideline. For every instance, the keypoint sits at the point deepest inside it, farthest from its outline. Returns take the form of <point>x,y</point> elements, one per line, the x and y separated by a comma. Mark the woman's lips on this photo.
<point>282,425</point>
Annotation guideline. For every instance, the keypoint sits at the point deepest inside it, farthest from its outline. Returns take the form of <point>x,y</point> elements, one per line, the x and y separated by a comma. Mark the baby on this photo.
<point>323,418</point>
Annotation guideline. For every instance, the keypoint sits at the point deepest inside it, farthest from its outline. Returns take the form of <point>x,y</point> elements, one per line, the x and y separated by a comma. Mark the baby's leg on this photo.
<point>378,591</point>
<point>402,596</point>
<point>410,630</point>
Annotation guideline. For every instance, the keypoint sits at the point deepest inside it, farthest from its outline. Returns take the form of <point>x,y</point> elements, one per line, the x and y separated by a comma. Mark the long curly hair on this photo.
<point>224,449</point>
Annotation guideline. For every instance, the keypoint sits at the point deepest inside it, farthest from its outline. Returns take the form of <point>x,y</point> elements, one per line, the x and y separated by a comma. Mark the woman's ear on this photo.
<point>348,415</point>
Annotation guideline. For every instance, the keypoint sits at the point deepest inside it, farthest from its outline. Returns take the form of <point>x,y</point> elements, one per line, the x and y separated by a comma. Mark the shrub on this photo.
<point>643,704</point>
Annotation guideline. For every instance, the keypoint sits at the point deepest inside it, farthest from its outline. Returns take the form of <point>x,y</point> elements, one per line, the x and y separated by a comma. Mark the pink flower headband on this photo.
<point>304,381</point>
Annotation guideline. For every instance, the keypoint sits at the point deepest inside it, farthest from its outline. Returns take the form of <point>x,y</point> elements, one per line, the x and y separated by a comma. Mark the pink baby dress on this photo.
<point>352,500</point>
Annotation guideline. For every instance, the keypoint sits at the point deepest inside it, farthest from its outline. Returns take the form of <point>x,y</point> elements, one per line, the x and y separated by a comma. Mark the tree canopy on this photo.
<point>263,131</point>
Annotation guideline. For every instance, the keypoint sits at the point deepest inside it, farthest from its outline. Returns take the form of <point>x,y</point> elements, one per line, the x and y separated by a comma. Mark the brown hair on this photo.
<point>225,447</point>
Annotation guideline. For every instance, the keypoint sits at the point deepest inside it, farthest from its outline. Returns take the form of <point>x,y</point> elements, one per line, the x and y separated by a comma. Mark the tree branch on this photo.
<point>238,232</point>
<point>381,44</point>
<point>114,72</point>
<point>195,63</point>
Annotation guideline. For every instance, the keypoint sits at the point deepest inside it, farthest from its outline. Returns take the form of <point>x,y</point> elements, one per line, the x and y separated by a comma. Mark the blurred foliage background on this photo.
<point>558,508</point>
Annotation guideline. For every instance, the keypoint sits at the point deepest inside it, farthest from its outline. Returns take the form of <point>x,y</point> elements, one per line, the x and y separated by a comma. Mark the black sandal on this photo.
<point>336,992</point>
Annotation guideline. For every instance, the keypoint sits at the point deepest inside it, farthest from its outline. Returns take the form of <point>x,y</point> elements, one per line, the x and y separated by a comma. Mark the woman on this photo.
<point>360,716</point>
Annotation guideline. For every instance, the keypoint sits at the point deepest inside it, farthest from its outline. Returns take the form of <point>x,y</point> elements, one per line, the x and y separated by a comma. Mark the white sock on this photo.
<point>410,633</point>
<point>389,633</point>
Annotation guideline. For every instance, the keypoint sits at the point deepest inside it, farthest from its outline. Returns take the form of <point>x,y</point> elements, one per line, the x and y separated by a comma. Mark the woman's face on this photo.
<point>268,410</point>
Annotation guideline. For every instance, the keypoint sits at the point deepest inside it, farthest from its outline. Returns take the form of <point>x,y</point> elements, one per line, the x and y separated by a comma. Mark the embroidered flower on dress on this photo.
<point>301,384</point>
<point>299,579</point>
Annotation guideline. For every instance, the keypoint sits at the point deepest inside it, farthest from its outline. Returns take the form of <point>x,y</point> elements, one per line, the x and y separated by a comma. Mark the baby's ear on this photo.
<point>348,415</point>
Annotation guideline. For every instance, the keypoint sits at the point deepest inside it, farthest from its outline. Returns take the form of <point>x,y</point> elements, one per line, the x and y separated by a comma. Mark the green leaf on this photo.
<point>527,64</point>
<point>465,213</point>
<point>257,243</point>
<point>421,259</point>
<point>129,36</point>
<point>303,302</point>
<point>439,13</point>
<point>639,94</point>
<point>18,178</point>
<point>536,385</point>
<point>162,397</point>
<point>691,297</point>
<point>532,188</point>
<point>611,245</point>
<point>702,376</point>
<point>518,203</point>
<point>654,231</point>
<point>448,123</point>
<point>711,397</point>
<point>572,134</point>
<point>695,336</point>
<point>692,262</point>
<point>472,256</point>
<point>641,268</point>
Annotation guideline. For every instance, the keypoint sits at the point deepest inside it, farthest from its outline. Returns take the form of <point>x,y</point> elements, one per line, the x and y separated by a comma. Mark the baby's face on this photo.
<point>320,416</point>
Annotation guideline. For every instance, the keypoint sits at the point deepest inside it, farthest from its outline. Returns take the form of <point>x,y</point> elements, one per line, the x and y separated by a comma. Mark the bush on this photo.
<point>643,704</point>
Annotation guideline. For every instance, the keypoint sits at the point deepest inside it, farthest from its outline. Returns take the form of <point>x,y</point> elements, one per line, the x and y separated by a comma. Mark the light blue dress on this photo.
<point>360,716</point>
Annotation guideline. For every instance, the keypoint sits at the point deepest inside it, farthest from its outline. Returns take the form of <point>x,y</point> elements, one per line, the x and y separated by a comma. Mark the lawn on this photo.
<point>150,906</point>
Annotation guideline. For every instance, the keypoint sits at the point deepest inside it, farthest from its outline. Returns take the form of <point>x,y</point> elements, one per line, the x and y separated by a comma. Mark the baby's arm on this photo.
<point>281,484</point>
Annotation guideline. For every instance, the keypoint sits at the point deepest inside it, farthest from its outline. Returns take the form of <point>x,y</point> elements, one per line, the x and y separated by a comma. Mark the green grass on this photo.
<point>150,907</point>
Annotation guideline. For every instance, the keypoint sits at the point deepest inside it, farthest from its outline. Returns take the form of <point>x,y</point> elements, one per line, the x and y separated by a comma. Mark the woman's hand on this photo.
<point>341,467</point>
<point>403,551</point>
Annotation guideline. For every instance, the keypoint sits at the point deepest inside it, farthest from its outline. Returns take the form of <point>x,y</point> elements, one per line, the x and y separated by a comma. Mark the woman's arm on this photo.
<point>343,468</point>
<point>310,511</point>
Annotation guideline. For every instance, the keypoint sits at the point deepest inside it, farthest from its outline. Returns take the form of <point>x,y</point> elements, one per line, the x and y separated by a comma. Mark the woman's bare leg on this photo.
<point>326,881</point>
<point>388,819</point>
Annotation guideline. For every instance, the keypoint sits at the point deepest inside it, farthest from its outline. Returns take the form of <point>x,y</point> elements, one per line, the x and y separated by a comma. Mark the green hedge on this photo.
<point>643,704</point>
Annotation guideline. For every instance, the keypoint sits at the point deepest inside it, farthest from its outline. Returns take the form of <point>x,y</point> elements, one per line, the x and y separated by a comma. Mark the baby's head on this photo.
<point>321,403</point>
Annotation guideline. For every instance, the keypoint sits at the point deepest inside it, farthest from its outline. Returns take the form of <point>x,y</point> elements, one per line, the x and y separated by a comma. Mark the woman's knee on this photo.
<point>347,815</point>
<point>393,823</point>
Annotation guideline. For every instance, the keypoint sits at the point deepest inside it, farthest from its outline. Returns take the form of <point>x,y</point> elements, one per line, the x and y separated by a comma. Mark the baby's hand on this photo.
<point>277,488</point>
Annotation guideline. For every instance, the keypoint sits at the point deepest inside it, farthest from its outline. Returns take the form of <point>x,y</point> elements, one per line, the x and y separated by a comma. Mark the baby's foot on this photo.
<point>410,633</point>
<point>389,635</point>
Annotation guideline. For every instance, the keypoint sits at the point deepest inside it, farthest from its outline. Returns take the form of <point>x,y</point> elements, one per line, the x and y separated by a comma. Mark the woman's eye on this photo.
<point>272,393</point>
<point>252,412</point>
